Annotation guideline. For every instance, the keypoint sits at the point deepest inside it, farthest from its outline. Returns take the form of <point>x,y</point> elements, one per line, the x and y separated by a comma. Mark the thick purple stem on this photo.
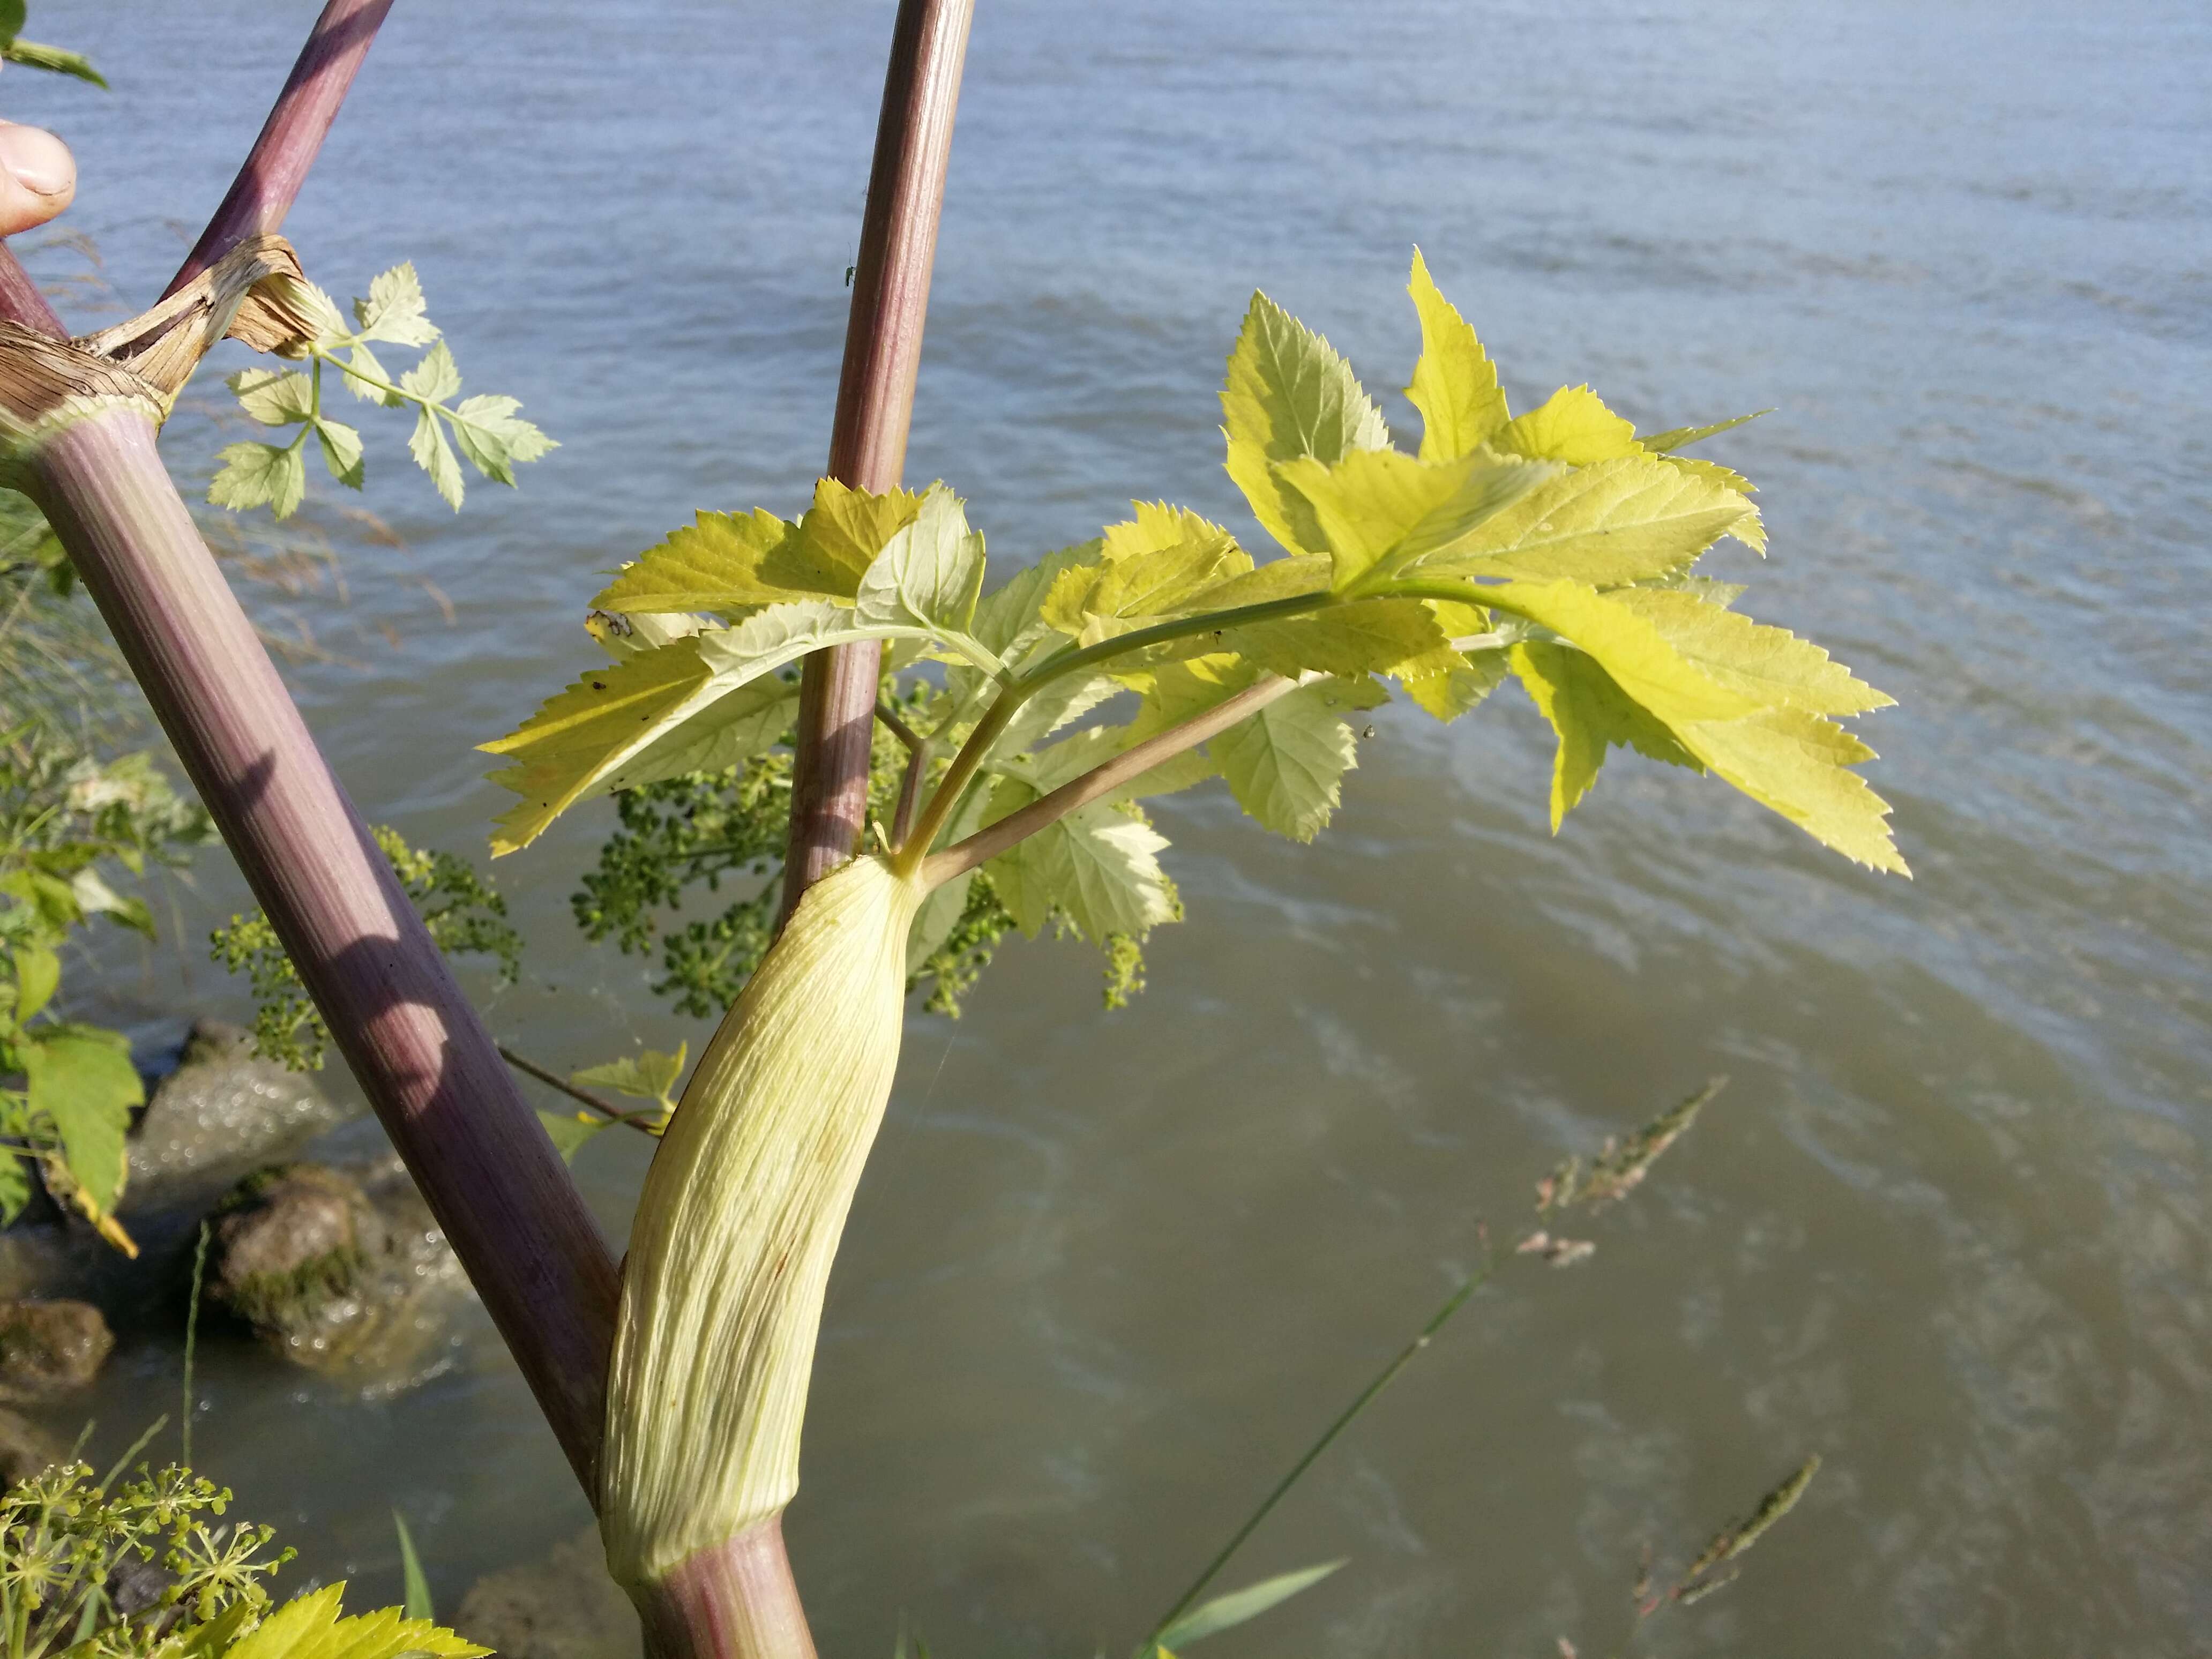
<point>736,1600</point>
<point>277,164</point>
<point>875,406</point>
<point>472,1143</point>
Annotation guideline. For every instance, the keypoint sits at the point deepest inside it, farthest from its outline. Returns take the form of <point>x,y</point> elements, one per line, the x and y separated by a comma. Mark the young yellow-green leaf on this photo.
<point>37,976</point>
<point>55,60</point>
<point>648,1074</point>
<point>1590,713</point>
<point>1378,510</point>
<point>365,377</point>
<point>1289,394</point>
<point>1285,764</point>
<point>1154,525</point>
<point>1447,683</point>
<point>656,714</point>
<point>1793,761</point>
<point>1279,579</point>
<point>1614,522</point>
<point>341,447</point>
<point>1572,425</point>
<point>274,396</point>
<point>309,1627</point>
<point>256,475</point>
<point>1009,613</point>
<point>494,438</point>
<point>1091,603</point>
<point>845,529</point>
<point>80,1080</point>
<point>929,573</point>
<point>1455,384</point>
<point>1628,645</point>
<point>427,444</point>
<point>435,377</point>
<point>1366,637</point>
<point>1769,665</point>
<point>1099,867</point>
<point>394,309</point>
<point>727,561</point>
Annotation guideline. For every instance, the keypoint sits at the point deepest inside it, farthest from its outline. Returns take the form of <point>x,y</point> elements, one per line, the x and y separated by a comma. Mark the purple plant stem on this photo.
<point>736,1600</point>
<point>875,407</point>
<point>277,164</point>
<point>429,1068</point>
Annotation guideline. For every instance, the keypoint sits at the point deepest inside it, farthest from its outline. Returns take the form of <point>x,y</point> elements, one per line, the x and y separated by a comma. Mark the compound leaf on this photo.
<point>394,309</point>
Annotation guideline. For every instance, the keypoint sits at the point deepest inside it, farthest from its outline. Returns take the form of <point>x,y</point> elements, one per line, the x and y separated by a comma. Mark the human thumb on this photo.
<point>37,177</point>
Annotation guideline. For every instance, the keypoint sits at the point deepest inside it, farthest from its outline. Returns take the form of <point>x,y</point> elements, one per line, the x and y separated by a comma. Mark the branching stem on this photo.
<point>553,1079</point>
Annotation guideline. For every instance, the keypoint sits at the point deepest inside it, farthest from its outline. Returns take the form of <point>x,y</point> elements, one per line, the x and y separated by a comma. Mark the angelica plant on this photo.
<point>1557,548</point>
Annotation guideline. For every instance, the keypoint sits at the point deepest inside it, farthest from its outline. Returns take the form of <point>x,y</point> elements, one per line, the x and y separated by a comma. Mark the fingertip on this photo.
<point>41,177</point>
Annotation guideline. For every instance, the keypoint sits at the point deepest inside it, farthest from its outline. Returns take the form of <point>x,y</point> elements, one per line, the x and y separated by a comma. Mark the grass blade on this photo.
<point>1238,1606</point>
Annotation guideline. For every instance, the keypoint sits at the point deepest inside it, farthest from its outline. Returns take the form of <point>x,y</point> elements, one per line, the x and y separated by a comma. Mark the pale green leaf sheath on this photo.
<point>737,1226</point>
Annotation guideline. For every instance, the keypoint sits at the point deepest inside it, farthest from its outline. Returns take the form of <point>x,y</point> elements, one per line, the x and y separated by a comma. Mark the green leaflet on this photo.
<point>930,570</point>
<point>1455,384</point>
<point>1379,511</point>
<point>1289,394</point>
<point>657,715</point>
<point>1279,579</point>
<point>309,1628</point>
<point>846,528</point>
<point>1572,425</point>
<point>727,561</point>
<point>81,1080</point>
<point>1368,636</point>
<point>1286,764</point>
<point>1155,525</point>
<point>1614,522</point>
<point>1682,437</point>
<point>1793,761</point>
<point>1628,645</point>
<point>1447,683</point>
<point>1769,665</point>
<point>648,1074</point>
<point>1099,867</point>
<point>395,311</point>
<point>1009,614</point>
<point>1589,712</point>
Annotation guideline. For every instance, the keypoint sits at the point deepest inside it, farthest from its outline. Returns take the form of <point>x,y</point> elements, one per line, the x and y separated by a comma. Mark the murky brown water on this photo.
<point>1949,1226</point>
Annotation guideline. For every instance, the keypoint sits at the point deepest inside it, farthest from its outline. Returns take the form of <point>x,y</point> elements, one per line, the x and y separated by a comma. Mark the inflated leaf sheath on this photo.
<point>737,1226</point>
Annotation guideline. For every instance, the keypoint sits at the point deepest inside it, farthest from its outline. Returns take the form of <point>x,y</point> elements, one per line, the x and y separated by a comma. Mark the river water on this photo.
<point>1948,1227</point>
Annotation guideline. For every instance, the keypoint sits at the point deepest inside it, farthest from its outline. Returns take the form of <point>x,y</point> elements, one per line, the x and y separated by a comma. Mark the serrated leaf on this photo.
<point>1631,649</point>
<point>1098,866</point>
<point>1279,579</point>
<point>846,529</point>
<point>1366,637</point>
<point>658,714</point>
<point>1225,1612</point>
<point>1769,665</point>
<point>341,447</point>
<point>258,475</point>
<point>1285,764</point>
<point>1572,425</point>
<point>1010,611</point>
<point>648,1074</point>
<point>1793,761</point>
<point>1455,384</point>
<point>1288,393</point>
<point>1589,712</point>
<point>1448,683</point>
<point>434,455</point>
<point>309,1627</point>
<point>1378,510</point>
<point>37,976</point>
<point>1615,522</point>
<point>274,396</point>
<point>81,1080</point>
<point>435,377</point>
<point>727,561</point>
<point>784,633</point>
<point>929,573</point>
<point>394,311</point>
<point>94,897</point>
<point>494,438</point>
